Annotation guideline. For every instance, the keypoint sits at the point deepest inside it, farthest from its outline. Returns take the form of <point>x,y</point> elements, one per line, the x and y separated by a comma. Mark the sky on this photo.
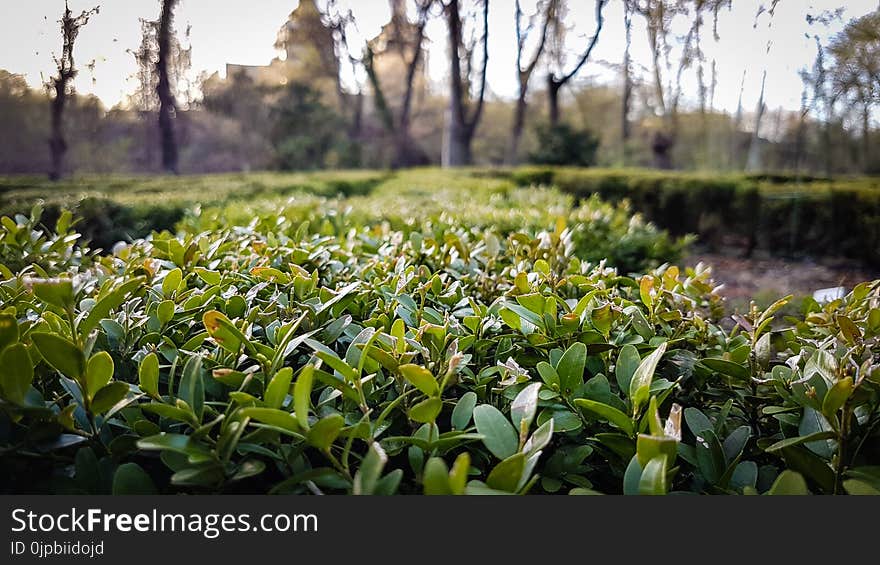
<point>243,31</point>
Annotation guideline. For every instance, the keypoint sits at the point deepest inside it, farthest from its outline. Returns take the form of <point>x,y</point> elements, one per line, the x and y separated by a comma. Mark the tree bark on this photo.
<point>524,75</point>
<point>167,104</point>
<point>70,27</point>
<point>519,122</point>
<point>57,144</point>
<point>625,125</point>
<point>555,84</point>
<point>461,128</point>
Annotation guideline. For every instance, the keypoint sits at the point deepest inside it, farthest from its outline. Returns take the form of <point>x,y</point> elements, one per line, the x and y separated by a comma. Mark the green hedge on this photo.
<point>781,214</point>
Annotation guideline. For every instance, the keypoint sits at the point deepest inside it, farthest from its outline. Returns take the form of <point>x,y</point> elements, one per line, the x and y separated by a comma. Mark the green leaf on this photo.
<point>533,301</point>
<point>499,435</point>
<point>697,421</point>
<point>640,385</point>
<point>172,412</point>
<point>609,413</point>
<point>540,438</point>
<point>8,330</point>
<point>571,366</point>
<point>130,478</point>
<point>17,373</point>
<point>278,388</point>
<point>631,477</point>
<point>107,397</point>
<point>548,374</point>
<point>107,304</point>
<point>506,475</point>
<point>710,456</point>
<point>798,440</point>
<point>601,319</point>
<point>459,473</point>
<point>435,477</point>
<point>302,391</point>
<point>223,331</point>
<point>627,362</point>
<point>653,479</point>
<point>811,466</point>
<point>836,397</point>
<point>426,411</point>
<point>338,365</point>
<point>273,417</point>
<point>192,385</point>
<point>325,431</point>
<point>370,471</point>
<point>464,409</point>
<point>171,281</point>
<point>420,378</point>
<point>728,368</point>
<point>60,354</point>
<point>56,292</point>
<point>857,487</point>
<point>650,447</point>
<point>99,371</point>
<point>148,375</point>
<point>177,443</point>
<point>734,444</point>
<point>523,407</point>
<point>211,278</point>
<point>789,483</point>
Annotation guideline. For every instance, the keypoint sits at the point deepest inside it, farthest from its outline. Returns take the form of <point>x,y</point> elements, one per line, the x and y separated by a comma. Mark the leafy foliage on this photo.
<point>465,355</point>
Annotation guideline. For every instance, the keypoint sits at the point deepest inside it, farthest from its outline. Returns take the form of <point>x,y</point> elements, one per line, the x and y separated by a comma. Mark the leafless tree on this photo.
<point>464,113</point>
<point>411,51</point>
<point>546,10</point>
<point>167,103</point>
<point>61,86</point>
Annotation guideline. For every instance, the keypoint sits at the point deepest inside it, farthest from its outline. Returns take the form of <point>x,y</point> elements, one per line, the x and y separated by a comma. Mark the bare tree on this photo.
<point>524,73</point>
<point>167,103</point>
<point>411,52</point>
<point>556,80</point>
<point>626,125</point>
<point>667,74</point>
<point>462,119</point>
<point>61,84</point>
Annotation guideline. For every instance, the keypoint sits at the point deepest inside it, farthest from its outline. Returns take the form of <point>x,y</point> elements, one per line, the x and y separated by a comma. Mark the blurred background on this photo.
<point>755,85</point>
<point>752,124</point>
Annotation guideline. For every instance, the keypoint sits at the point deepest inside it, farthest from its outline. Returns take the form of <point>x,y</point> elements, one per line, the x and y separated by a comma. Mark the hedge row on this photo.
<point>783,215</point>
<point>447,358</point>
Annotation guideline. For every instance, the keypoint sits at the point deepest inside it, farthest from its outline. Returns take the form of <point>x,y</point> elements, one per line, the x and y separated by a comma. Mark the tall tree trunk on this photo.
<point>57,144</point>
<point>519,122</point>
<point>555,84</point>
<point>625,125</point>
<point>167,105</point>
<point>553,87</point>
<point>524,75</point>
<point>461,128</point>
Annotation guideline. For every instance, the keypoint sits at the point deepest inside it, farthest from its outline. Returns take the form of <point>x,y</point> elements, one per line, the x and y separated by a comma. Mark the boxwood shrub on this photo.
<point>297,356</point>
<point>779,214</point>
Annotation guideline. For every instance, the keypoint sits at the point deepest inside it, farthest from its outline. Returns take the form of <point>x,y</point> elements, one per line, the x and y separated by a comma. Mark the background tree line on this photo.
<point>297,113</point>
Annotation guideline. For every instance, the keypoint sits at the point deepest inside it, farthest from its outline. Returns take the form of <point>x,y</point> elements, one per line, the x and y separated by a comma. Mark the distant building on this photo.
<point>306,49</point>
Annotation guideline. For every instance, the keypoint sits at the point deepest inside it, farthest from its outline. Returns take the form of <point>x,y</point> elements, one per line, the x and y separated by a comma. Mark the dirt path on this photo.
<point>764,278</point>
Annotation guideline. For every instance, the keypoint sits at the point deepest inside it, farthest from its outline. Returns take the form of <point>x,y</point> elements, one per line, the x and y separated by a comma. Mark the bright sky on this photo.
<point>239,31</point>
